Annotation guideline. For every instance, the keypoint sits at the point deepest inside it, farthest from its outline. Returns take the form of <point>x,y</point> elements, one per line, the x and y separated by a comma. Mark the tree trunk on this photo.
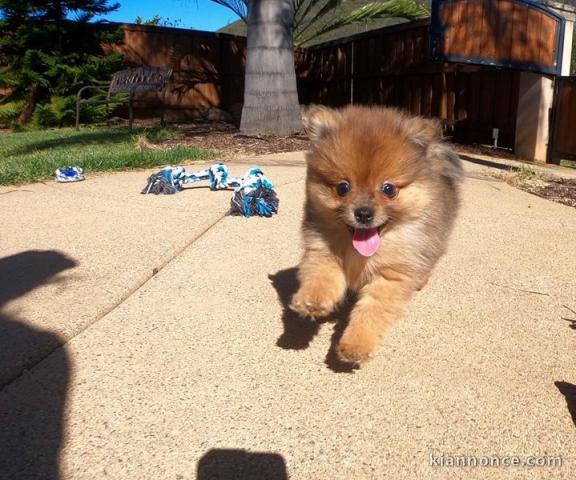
<point>29,105</point>
<point>270,94</point>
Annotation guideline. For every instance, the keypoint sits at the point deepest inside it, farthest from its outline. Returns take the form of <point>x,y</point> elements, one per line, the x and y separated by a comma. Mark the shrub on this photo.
<point>61,112</point>
<point>58,112</point>
<point>9,113</point>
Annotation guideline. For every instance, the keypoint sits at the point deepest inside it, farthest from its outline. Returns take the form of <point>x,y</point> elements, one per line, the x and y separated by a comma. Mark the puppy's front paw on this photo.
<point>356,349</point>
<point>312,303</point>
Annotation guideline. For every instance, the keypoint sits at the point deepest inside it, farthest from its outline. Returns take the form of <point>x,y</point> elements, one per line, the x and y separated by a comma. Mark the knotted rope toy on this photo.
<point>253,194</point>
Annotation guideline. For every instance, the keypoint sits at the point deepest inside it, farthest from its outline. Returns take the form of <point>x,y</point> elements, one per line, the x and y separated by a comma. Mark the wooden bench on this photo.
<point>142,79</point>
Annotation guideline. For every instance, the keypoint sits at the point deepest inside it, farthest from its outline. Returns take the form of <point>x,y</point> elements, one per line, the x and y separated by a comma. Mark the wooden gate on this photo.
<point>563,123</point>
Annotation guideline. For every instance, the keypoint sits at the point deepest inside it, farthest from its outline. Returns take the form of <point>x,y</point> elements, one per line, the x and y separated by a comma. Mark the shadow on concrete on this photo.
<point>572,320</point>
<point>23,272</point>
<point>299,332</point>
<point>486,163</point>
<point>31,406</point>
<point>225,464</point>
<point>569,392</point>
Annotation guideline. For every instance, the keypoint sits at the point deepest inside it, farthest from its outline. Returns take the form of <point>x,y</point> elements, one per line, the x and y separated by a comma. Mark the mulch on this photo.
<point>560,190</point>
<point>228,139</point>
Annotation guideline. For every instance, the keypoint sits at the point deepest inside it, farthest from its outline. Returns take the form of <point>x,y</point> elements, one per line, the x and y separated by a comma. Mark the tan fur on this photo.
<point>367,147</point>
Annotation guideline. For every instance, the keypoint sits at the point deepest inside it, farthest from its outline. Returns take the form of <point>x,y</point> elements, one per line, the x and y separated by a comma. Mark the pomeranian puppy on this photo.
<point>382,193</point>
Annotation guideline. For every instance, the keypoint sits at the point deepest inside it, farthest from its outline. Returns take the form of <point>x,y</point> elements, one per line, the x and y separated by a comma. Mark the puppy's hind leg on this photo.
<point>381,302</point>
<point>322,286</point>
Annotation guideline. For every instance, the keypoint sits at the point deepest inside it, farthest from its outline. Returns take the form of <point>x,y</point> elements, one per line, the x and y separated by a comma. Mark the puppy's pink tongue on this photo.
<point>366,241</point>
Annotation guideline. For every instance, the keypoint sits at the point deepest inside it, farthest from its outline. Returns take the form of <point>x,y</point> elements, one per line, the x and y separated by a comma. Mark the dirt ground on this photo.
<point>554,188</point>
<point>558,190</point>
<point>228,139</point>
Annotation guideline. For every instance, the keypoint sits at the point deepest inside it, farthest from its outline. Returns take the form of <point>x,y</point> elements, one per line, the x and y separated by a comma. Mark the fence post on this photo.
<point>536,93</point>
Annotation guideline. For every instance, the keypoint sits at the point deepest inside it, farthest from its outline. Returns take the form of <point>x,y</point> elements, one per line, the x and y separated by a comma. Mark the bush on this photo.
<point>9,113</point>
<point>45,116</point>
<point>61,112</point>
<point>48,50</point>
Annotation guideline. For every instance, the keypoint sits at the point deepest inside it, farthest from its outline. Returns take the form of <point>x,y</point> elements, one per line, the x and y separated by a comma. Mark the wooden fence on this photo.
<point>389,66</point>
<point>564,119</point>
<point>393,66</point>
<point>208,68</point>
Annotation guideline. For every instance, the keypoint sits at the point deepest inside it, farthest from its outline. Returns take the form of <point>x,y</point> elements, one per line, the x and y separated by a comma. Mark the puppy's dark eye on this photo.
<point>343,188</point>
<point>389,189</point>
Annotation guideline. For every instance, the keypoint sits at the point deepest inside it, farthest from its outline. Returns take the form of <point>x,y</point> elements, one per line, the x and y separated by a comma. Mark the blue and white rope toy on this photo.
<point>253,193</point>
<point>69,173</point>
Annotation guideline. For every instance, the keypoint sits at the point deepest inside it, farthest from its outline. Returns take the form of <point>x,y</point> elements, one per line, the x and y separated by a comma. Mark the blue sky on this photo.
<point>197,14</point>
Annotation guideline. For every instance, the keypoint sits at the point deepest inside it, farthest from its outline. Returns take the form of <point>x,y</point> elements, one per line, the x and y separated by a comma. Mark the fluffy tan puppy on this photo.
<point>381,199</point>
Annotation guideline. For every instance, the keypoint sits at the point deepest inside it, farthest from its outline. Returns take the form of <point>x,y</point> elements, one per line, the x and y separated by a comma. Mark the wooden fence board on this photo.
<point>564,139</point>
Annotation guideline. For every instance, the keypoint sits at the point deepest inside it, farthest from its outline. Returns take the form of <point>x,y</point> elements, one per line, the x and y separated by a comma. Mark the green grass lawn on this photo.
<point>31,156</point>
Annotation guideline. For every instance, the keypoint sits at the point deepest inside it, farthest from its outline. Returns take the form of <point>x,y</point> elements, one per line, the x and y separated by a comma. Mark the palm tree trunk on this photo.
<point>270,95</point>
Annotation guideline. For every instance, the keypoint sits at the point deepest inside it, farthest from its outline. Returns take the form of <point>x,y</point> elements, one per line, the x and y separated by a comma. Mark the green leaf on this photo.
<point>408,9</point>
<point>239,7</point>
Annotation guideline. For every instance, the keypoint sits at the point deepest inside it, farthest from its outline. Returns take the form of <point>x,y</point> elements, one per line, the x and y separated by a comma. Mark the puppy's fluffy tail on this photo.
<point>448,161</point>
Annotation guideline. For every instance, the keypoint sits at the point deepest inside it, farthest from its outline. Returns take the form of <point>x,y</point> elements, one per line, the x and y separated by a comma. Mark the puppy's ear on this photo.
<point>424,131</point>
<point>319,121</point>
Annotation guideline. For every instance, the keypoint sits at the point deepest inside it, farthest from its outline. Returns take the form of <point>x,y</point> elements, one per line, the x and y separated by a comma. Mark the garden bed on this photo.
<point>227,139</point>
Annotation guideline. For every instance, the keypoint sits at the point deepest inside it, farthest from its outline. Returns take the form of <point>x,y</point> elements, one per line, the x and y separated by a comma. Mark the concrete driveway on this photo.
<point>146,337</point>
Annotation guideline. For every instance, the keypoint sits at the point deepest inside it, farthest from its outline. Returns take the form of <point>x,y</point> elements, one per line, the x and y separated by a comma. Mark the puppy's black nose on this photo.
<point>364,214</point>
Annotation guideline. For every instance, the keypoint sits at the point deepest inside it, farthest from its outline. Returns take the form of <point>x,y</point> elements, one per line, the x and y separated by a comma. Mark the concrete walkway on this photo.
<point>180,361</point>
